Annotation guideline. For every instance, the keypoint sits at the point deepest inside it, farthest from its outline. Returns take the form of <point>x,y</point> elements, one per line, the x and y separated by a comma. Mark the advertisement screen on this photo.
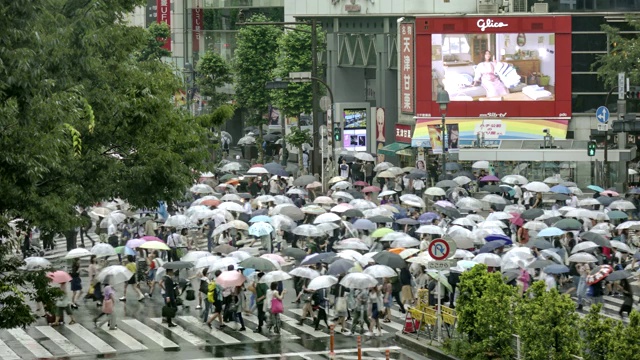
<point>494,66</point>
<point>355,139</point>
<point>355,118</point>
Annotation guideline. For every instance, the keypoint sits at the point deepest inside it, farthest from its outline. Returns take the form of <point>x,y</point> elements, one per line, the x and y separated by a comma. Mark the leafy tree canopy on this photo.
<point>213,73</point>
<point>157,34</point>
<point>623,55</point>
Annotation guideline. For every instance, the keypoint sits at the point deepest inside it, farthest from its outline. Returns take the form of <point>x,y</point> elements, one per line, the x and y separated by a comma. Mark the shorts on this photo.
<point>62,310</point>
<point>374,311</point>
<point>217,307</point>
<point>76,284</point>
<point>132,280</point>
<point>152,275</point>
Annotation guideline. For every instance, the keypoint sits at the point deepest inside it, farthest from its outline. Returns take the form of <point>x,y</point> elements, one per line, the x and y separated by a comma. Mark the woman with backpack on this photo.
<point>108,303</point>
<point>214,298</point>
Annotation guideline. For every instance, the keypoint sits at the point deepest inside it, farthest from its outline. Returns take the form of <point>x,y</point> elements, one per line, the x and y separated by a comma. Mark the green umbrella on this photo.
<point>568,224</point>
<point>617,215</point>
<point>228,177</point>
<point>259,264</point>
<point>381,232</point>
<point>119,250</point>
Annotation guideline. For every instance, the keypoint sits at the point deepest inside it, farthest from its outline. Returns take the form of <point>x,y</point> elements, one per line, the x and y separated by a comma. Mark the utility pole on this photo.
<point>317,154</point>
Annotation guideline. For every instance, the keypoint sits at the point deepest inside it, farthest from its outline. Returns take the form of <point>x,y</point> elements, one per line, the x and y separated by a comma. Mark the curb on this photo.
<point>422,344</point>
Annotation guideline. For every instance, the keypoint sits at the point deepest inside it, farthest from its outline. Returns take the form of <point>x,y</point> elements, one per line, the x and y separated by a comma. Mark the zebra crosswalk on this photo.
<point>151,333</point>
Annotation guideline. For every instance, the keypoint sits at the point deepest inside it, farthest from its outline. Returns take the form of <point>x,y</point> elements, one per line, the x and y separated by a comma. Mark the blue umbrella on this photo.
<point>561,189</point>
<point>260,229</point>
<point>260,218</point>
<point>498,237</point>
<point>427,218</point>
<point>595,188</point>
<point>452,166</point>
<point>492,245</point>
<point>364,224</point>
<point>555,269</point>
<point>550,231</point>
<point>634,191</point>
<point>129,251</point>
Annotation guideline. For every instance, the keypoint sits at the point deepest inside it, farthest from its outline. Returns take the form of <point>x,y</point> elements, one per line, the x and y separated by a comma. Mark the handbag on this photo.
<point>341,304</point>
<point>107,306</point>
<point>276,306</point>
<point>191,295</point>
<point>169,311</point>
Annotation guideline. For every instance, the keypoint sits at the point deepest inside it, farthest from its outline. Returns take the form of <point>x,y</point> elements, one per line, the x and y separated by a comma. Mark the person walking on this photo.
<point>237,303</point>
<point>76,282</point>
<point>375,303</point>
<point>95,287</point>
<point>627,294</point>
<point>387,300</point>
<point>170,305</point>
<point>361,304</point>
<point>321,305</point>
<point>108,304</point>
<point>133,281</point>
<point>342,308</point>
<point>214,297</point>
<point>64,306</point>
<point>261,296</point>
<point>173,241</point>
<point>275,306</point>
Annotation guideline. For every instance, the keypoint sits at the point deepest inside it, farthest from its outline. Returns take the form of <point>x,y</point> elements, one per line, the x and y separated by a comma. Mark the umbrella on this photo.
<point>201,189</point>
<point>154,245</point>
<point>622,205</point>
<point>446,184</point>
<point>488,259</point>
<point>100,211</point>
<point>304,180</point>
<point>260,229</point>
<point>358,281</point>
<point>364,224</point>
<point>617,215</point>
<point>595,238</point>
<point>317,258</point>
<point>274,257</point>
<point>352,244</point>
<point>412,200</point>
<point>407,221</point>
<point>390,259</point>
<point>178,265</point>
<point>405,243</point>
<point>606,200</point>
<point>491,246</point>
<point>114,274</point>
<point>59,277</point>
<point>430,229</point>
<point>560,189</point>
<point>312,210</point>
<point>537,186</point>
<point>619,275</point>
<point>381,232</point>
<point>435,191</point>
<point>531,214</point>
<point>275,276</point>
<point>308,230</point>
<point>555,269</point>
<point>584,246</point>
<point>78,253</point>
<point>295,253</point>
<point>341,185</point>
<point>595,188</point>
<point>260,264</point>
<point>304,272</point>
<point>494,199</point>
<point>462,180</point>
<point>322,282</point>
<point>247,140</point>
<point>232,166</point>
<point>599,274</point>
<point>230,279</point>
<point>260,218</point>
<point>539,244</point>
<point>450,212</point>
<point>340,266</point>
<point>103,250</point>
<point>238,255</point>
<point>224,264</point>
<point>469,203</point>
<point>36,263</point>
<point>540,263</point>
<point>550,231</point>
<point>380,271</point>
<point>583,257</point>
<point>407,253</point>
<point>223,249</point>
<point>482,164</point>
<point>620,246</point>
<point>194,256</point>
<point>568,224</point>
<point>489,178</point>
<point>515,179</point>
<point>535,226</point>
<point>326,218</point>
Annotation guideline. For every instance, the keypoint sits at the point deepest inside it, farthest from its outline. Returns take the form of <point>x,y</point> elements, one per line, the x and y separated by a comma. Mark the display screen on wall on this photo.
<point>355,118</point>
<point>355,139</point>
<point>495,67</point>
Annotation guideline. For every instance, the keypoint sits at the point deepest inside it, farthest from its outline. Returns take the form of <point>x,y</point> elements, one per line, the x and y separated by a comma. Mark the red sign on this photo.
<point>406,68</point>
<point>196,21</point>
<point>439,249</point>
<point>403,133</point>
<point>164,15</point>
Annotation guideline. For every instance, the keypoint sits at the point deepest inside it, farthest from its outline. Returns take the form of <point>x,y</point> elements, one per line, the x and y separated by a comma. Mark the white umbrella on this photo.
<point>488,259</point>
<point>494,199</point>
<point>620,246</point>
<point>100,211</point>
<point>265,199</point>
<point>383,166</point>
<point>463,222</point>
<point>515,208</point>
<point>103,250</point>
<point>364,156</point>
<point>430,229</point>
<point>499,215</point>
<point>358,281</point>
<point>537,186</point>
<point>324,200</point>
<point>489,224</point>
<point>282,199</point>
<point>406,253</point>
<point>247,140</point>
<point>380,271</point>
<point>362,204</point>
<point>515,179</point>
<point>583,257</point>
<point>435,191</point>
<point>307,230</point>
<point>580,213</point>
<point>588,202</point>
<point>328,227</point>
<point>36,263</point>
<point>351,244</point>
<point>240,256</point>
<point>341,185</point>
<point>480,165</point>
<point>114,218</point>
<point>386,193</point>
<point>463,254</point>
<point>232,166</point>
<point>622,205</point>
<point>258,170</point>
<point>633,225</point>
<point>405,243</point>
<point>231,206</point>
<point>412,200</point>
<point>584,246</point>
<point>535,225</point>
<point>462,180</point>
<point>193,256</point>
<point>231,197</point>
<point>282,222</point>
<point>177,221</point>
<point>274,276</point>
<point>296,191</point>
<point>322,282</point>
<point>201,189</point>
<point>469,203</point>
<point>304,272</point>
<point>550,254</point>
<point>114,274</point>
<point>554,180</point>
<point>222,264</point>
<point>205,262</point>
<point>77,253</point>
<point>326,218</point>
<point>342,195</point>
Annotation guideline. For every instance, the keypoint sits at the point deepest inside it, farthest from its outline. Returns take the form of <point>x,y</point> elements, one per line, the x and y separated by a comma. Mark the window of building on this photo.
<point>455,44</point>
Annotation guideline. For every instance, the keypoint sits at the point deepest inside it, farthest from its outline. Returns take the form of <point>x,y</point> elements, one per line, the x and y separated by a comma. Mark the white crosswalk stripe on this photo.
<point>29,343</point>
<point>155,336</point>
<point>220,335</point>
<point>6,353</point>
<point>92,339</point>
<point>59,339</point>
<point>124,338</point>
<point>180,331</point>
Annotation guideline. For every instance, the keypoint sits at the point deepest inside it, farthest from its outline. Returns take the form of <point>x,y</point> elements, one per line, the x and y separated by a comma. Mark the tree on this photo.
<point>597,334</point>
<point>547,324</point>
<point>625,342</point>
<point>623,55</point>
<point>255,59</point>
<point>215,121</point>
<point>213,73</point>
<point>297,138</point>
<point>157,34</point>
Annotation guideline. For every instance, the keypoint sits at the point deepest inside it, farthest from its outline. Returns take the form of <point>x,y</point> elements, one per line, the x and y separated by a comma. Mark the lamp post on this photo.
<point>188,76</point>
<point>443,101</point>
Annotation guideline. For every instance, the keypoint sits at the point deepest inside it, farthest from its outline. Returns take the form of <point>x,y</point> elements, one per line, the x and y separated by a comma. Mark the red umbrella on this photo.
<point>59,277</point>
<point>516,219</point>
<point>151,238</point>
<point>361,183</point>
<point>599,274</point>
<point>210,202</point>
<point>369,189</point>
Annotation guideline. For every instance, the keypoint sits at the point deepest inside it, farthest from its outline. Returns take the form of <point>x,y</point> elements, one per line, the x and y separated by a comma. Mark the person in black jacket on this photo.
<point>169,294</point>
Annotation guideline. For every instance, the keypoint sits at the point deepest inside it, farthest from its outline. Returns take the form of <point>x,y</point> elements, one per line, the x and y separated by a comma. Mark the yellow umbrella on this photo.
<point>336,179</point>
<point>154,245</point>
<point>381,232</point>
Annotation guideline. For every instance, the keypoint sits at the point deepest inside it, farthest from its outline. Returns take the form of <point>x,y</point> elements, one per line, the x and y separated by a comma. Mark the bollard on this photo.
<point>332,354</point>
<point>387,354</point>
<point>359,347</point>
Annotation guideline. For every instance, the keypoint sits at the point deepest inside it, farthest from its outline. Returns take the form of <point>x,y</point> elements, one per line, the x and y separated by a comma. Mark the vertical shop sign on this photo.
<point>196,21</point>
<point>406,68</point>
<point>164,15</point>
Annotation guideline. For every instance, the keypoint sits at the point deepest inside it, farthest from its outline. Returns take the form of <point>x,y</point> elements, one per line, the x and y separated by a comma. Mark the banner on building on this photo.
<point>403,133</point>
<point>435,138</point>
<point>164,15</point>
<point>453,137</point>
<point>196,25</point>
<point>406,65</point>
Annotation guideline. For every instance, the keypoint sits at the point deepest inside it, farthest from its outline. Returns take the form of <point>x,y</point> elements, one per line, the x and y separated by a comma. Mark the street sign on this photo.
<point>439,249</point>
<point>621,86</point>
<point>603,127</point>
<point>602,114</point>
<point>276,85</point>
<point>325,103</point>
<point>441,265</point>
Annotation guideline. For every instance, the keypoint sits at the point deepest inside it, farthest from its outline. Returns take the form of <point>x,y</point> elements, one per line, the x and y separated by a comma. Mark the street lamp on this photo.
<point>443,101</point>
<point>188,75</point>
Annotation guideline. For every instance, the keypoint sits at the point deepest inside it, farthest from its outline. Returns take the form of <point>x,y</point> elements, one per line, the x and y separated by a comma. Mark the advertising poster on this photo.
<point>453,137</point>
<point>421,162</point>
<point>164,15</point>
<point>380,129</point>
<point>406,67</point>
<point>435,138</point>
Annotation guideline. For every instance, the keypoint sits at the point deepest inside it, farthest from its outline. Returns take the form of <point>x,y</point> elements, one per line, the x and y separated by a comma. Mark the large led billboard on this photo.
<point>494,67</point>
<point>355,129</point>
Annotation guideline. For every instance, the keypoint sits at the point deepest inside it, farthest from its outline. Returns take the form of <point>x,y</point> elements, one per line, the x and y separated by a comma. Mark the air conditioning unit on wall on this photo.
<point>540,8</point>
<point>488,6</point>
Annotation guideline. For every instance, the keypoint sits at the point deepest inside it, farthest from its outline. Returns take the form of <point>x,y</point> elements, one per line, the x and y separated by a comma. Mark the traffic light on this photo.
<point>337,134</point>
<point>633,93</point>
<point>591,148</point>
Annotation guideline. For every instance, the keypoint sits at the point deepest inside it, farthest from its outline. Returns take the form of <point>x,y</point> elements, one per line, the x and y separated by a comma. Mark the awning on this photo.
<point>392,148</point>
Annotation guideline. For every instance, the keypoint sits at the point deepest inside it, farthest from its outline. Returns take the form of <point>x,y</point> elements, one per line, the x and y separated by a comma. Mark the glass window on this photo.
<point>226,19</point>
<point>587,23</point>
<point>582,62</point>
<point>589,42</point>
<point>455,44</point>
<point>582,103</point>
<point>587,83</point>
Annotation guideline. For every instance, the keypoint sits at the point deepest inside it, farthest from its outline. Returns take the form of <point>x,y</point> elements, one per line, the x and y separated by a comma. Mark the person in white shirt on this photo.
<point>274,186</point>
<point>112,229</point>
<point>247,207</point>
<point>418,187</point>
<point>573,201</point>
<point>344,169</point>
<point>173,241</point>
<point>550,281</point>
<point>518,193</point>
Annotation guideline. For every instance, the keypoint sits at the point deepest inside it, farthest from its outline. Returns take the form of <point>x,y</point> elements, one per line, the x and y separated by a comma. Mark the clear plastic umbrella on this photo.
<point>36,263</point>
<point>78,253</point>
<point>322,282</point>
<point>114,274</point>
<point>380,271</point>
<point>275,276</point>
<point>103,250</point>
<point>358,281</point>
<point>304,272</point>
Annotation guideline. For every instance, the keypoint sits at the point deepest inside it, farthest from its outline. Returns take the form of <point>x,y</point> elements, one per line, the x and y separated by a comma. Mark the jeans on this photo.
<point>322,316</point>
<point>582,287</point>
<point>206,310</point>
<point>396,295</point>
<point>209,244</point>
<point>84,233</point>
<point>239,319</point>
<point>360,315</point>
<point>261,315</point>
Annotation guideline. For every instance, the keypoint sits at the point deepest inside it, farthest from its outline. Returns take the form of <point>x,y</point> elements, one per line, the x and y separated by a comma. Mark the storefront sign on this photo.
<point>196,21</point>
<point>483,24</point>
<point>164,15</point>
<point>403,133</point>
<point>407,68</point>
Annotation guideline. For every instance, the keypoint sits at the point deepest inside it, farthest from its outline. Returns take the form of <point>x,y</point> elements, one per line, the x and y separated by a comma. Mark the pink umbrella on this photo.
<point>229,279</point>
<point>59,277</point>
<point>151,238</point>
<point>609,193</point>
<point>360,183</point>
<point>444,203</point>
<point>277,258</point>
<point>516,219</point>
<point>342,207</point>
<point>134,243</point>
<point>490,178</point>
<point>369,189</point>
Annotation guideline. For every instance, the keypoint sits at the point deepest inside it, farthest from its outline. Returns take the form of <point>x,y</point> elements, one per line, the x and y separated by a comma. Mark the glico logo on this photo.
<point>488,23</point>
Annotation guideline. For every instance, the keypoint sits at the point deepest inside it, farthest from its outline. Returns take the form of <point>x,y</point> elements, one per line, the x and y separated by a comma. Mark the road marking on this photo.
<point>298,354</point>
<point>254,320</point>
<point>90,338</point>
<point>6,353</point>
<point>28,342</point>
<point>307,330</point>
<point>218,334</point>
<point>124,338</point>
<point>180,331</point>
<point>150,333</point>
<point>61,341</point>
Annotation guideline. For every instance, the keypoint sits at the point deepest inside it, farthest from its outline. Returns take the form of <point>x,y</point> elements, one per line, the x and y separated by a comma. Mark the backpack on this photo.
<point>212,293</point>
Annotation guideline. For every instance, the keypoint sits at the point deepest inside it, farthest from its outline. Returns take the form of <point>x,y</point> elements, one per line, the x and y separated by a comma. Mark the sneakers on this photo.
<point>141,297</point>
<point>171,325</point>
<point>198,307</point>
<point>123,299</point>
<point>242,329</point>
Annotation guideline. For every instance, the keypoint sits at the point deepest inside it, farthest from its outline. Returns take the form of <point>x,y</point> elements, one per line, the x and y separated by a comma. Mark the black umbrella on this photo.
<point>619,275</point>
<point>356,194</point>
<point>596,238</point>
<point>568,224</point>
<point>606,200</point>
<point>560,197</point>
<point>539,244</point>
<point>446,184</point>
<point>491,245</point>
<point>390,259</point>
<point>304,180</point>
<point>540,263</point>
<point>271,137</point>
<point>531,214</point>
<point>380,219</point>
<point>317,258</point>
<point>407,221</point>
<point>273,168</point>
<point>353,213</point>
<point>295,253</point>
<point>552,220</point>
<point>495,189</point>
<point>178,265</point>
<point>417,174</point>
<point>450,212</point>
<point>339,267</point>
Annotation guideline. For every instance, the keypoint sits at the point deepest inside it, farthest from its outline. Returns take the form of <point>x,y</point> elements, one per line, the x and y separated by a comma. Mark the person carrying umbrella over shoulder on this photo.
<point>170,307</point>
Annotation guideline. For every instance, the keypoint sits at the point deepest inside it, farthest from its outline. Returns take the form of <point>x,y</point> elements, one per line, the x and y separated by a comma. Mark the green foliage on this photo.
<point>597,334</point>
<point>213,72</point>
<point>19,286</point>
<point>296,138</point>
<point>623,55</point>
<point>295,56</point>
<point>625,341</point>
<point>155,37</point>
<point>547,324</point>
<point>484,309</point>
